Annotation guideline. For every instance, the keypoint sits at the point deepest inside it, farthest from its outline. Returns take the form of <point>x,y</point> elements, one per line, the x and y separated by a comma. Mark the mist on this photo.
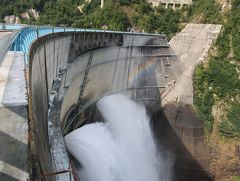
<point>122,148</point>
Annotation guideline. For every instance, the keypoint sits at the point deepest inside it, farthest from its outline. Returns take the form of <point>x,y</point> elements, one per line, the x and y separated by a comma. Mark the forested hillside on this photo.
<point>123,15</point>
<point>217,82</point>
<point>217,88</point>
<point>138,15</point>
<point>116,14</point>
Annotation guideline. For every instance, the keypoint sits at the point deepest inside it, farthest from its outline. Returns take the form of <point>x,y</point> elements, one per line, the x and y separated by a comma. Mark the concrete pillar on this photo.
<point>102,3</point>
<point>38,32</point>
<point>174,6</point>
<point>166,6</point>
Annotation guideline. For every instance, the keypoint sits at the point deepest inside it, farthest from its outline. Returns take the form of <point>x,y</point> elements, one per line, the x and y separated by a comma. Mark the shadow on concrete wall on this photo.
<point>185,165</point>
<point>8,148</point>
<point>19,110</point>
<point>5,177</point>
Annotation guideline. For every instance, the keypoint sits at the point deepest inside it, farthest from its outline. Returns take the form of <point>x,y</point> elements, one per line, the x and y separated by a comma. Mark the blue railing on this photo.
<point>27,34</point>
<point>4,26</point>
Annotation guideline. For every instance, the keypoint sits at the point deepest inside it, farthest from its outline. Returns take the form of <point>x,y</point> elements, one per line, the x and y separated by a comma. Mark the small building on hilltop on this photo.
<point>171,3</point>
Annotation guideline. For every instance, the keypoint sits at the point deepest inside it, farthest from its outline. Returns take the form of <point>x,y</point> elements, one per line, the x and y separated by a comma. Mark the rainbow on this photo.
<point>141,70</point>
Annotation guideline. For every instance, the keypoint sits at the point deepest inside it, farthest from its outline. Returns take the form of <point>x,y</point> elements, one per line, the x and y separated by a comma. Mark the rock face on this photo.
<point>224,153</point>
<point>12,19</point>
<point>29,13</point>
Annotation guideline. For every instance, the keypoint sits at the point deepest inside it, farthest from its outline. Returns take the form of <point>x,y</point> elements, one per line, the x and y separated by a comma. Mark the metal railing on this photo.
<point>16,31</point>
<point>27,34</point>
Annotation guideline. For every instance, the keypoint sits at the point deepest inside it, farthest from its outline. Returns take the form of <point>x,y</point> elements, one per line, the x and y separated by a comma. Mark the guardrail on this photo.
<point>9,42</point>
<point>27,34</point>
<point>4,26</point>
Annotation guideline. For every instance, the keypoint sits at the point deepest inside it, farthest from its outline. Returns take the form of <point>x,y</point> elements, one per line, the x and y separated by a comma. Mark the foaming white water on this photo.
<point>121,149</point>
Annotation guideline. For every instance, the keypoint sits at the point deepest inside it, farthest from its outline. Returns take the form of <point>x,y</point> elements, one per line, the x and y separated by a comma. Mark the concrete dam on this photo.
<point>68,72</point>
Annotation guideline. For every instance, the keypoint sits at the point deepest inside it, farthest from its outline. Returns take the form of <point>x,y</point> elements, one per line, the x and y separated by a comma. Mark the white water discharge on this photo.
<point>120,149</point>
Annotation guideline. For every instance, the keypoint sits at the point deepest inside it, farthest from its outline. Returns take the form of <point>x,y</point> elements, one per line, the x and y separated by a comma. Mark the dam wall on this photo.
<point>48,60</point>
<point>70,72</point>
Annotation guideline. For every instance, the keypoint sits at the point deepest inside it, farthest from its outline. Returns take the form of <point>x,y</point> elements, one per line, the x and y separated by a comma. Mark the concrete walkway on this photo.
<point>192,45</point>
<point>13,119</point>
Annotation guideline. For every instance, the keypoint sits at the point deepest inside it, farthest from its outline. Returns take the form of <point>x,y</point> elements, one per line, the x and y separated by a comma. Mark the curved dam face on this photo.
<point>69,72</point>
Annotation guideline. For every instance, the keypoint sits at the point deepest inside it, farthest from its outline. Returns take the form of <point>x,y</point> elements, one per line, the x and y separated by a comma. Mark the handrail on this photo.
<point>13,38</point>
<point>25,39</point>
